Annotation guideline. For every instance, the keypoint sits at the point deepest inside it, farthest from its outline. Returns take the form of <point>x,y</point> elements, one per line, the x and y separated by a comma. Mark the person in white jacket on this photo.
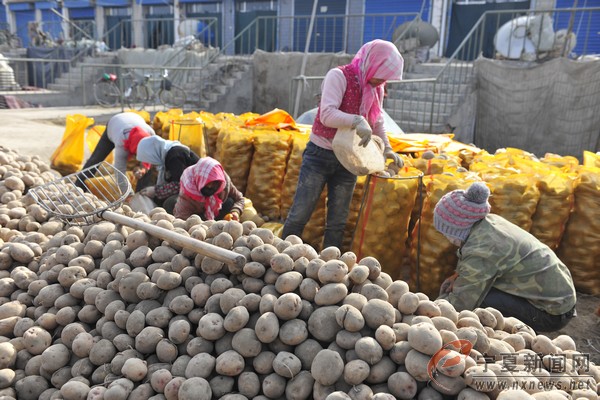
<point>123,133</point>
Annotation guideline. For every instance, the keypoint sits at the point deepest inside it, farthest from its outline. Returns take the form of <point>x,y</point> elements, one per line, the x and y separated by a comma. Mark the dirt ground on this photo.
<point>39,131</point>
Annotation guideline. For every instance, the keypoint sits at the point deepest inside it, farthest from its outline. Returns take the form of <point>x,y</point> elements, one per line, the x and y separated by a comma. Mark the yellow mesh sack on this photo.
<point>275,227</point>
<point>142,113</point>
<point>554,207</point>
<point>212,126</point>
<point>290,181</point>
<point>591,159</point>
<point>250,213</point>
<point>354,212</point>
<point>565,163</point>
<point>514,197</point>
<point>382,228</point>
<point>580,247</point>
<point>435,255</point>
<point>235,152</point>
<point>315,228</point>
<point>267,171</point>
<point>162,121</point>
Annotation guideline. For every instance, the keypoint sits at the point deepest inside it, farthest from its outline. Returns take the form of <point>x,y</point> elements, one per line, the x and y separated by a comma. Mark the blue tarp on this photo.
<point>42,73</point>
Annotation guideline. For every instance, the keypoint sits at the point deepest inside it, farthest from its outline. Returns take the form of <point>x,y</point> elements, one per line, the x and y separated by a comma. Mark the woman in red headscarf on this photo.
<point>351,97</point>
<point>207,191</point>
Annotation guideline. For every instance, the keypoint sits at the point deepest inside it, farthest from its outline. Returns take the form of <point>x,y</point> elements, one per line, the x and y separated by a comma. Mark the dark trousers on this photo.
<point>321,167</point>
<point>102,150</point>
<point>518,307</point>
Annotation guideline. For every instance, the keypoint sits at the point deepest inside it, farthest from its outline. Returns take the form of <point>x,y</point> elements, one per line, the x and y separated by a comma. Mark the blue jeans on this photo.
<point>320,167</point>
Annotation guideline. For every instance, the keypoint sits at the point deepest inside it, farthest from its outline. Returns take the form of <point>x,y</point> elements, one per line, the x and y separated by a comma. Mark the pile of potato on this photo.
<point>108,312</point>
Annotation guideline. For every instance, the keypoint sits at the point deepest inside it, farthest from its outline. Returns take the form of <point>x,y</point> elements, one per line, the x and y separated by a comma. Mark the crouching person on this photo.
<point>207,191</point>
<point>501,265</point>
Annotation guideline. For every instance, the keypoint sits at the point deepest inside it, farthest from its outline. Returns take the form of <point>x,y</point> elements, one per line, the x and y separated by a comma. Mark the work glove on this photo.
<point>392,155</point>
<point>363,130</point>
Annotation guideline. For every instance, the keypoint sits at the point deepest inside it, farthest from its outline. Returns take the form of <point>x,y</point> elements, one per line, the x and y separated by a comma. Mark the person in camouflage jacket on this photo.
<point>501,265</point>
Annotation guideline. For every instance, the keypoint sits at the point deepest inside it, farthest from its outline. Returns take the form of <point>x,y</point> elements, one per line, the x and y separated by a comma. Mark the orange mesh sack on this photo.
<point>435,254</point>
<point>580,247</point>
<point>267,171</point>
<point>162,121</point>
<point>290,181</point>
<point>382,228</point>
<point>236,150</point>
<point>514,197</point>
<point>554,207</point>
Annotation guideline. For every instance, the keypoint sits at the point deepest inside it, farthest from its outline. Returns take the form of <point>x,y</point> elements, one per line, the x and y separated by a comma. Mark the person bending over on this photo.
<point>501,265</point>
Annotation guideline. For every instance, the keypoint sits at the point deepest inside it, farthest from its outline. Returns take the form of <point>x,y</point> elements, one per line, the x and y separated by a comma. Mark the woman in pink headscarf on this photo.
<point>206,190</point>
<point>351,97</point>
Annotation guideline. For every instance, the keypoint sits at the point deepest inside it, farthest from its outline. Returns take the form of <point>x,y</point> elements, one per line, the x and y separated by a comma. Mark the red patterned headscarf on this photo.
<point>195,177</point>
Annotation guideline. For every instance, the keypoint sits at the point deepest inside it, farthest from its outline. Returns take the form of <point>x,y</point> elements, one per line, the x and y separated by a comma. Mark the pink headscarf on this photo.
<point>195,177</point>
<point>378,59</point>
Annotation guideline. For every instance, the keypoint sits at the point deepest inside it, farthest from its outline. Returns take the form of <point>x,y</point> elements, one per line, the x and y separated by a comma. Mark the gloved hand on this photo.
<point>363,130</point>
<point>391,154</point>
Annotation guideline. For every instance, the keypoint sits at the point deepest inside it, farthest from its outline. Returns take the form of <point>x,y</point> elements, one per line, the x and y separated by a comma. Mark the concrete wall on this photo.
<point>273,73</point>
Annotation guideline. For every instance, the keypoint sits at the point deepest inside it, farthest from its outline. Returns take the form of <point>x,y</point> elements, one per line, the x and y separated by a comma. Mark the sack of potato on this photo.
<point>267,170</point>
<point>212,125</point>
<point>382,228</point>
<point>554,207</point>
<point>235,149</point>
<point>315,228</point>
<point>580,247</point>
<point>354,212</point>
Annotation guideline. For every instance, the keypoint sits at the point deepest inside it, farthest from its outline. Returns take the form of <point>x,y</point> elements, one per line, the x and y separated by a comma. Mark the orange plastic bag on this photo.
<point>275,118</point>
<point>68,156</point>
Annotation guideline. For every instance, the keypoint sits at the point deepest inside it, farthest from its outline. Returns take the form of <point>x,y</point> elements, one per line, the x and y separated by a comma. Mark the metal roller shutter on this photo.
<point>586,25</point>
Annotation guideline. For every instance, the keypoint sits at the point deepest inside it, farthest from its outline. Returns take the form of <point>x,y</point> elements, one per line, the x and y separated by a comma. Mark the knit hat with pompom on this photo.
<point>457,211</point>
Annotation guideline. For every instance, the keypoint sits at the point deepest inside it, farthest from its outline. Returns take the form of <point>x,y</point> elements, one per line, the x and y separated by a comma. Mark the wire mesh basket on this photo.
<point>82,197</point>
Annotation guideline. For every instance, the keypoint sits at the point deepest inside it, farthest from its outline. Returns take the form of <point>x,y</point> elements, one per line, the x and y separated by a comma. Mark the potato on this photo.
<point>236,319</point>
<point>211,326</point>
<point>194,388</point>
<point>356,371</point>
<point>287,364</point>
<point>300,387</point>
<point>282,263</point>
<point>267,327</point>
<point>287,306</point>
<point>378,312</point>
<point>230,363</point>
<point>246,342</point>
<point>330,294</point>
<point>369,350</point>
<point>288,281</point>
<point>134,369</point>
<point>402,385</point>
<point>408,303</point>
<point>327,367</point>
<point>349,318</point>
<point>36,340</point>
<point>333,271</point>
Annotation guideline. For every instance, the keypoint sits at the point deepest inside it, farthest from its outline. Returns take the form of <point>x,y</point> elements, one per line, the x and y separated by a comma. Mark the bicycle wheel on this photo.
<point>138,97</point>
<point>106,93</point>
<point>173,98</point>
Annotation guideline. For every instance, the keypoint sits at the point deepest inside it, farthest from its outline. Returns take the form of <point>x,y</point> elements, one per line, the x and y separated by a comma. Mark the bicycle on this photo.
<point>169,94</point>
<point>137,95</point>
<point>108,94</point>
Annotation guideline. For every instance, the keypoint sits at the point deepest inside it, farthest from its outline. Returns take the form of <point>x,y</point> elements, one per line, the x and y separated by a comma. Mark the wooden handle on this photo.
<point>200,247</point>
